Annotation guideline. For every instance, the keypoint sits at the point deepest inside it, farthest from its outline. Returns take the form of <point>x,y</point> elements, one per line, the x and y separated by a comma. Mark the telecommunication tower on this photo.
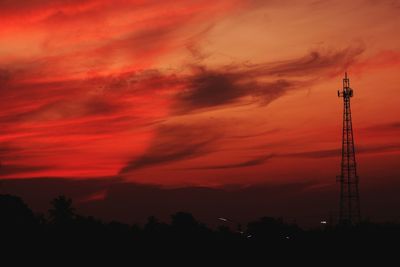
<point>349,210</point>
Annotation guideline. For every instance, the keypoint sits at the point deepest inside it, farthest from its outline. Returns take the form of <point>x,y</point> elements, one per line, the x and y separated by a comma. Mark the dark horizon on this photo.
<point>302,203</point>
<point>63,235</point>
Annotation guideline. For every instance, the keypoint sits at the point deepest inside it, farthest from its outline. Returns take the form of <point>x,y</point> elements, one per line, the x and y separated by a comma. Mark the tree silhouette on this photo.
<point>15,213</point>
<point>62,212</point>
<point>153,225</point>
<point>184,221</point>
<point>184,227</point>
<point>184,235</point>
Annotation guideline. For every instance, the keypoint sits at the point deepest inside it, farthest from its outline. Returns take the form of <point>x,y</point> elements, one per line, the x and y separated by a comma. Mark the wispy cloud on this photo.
<point>174,143</point>
<point>207,88</point>
<point>382,127</point>
<point>248,163</point>
<point>10,169</point>
<point>315,154</point>
<point>316,63</point>
<point>337,152</point>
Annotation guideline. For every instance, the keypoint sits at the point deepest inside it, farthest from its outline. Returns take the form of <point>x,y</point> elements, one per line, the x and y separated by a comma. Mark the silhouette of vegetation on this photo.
<point>15,214</point>
<point>62,212</point>
<point>62,230</point>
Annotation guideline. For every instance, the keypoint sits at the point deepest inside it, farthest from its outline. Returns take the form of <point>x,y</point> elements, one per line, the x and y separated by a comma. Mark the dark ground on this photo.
<point>69,236</point>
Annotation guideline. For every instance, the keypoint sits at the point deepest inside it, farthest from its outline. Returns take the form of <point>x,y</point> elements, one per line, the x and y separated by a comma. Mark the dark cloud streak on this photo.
<point>266,82</point>
<point>316,63</point>
<point>249,163</point>
<point>316,154</point>
<point>11,169</point>
<point>337,152</point>
<point>174,143</point>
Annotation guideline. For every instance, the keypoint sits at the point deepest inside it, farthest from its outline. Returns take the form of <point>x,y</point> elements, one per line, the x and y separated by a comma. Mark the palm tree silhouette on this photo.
<point>62,211</point>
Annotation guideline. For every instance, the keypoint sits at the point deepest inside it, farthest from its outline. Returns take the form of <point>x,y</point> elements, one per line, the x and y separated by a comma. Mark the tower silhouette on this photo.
<point>349,195</point>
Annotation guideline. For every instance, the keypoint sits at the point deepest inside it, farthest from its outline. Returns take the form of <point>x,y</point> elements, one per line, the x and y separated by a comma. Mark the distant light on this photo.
<point>249,236</point>
<point>222,219</point>
<point>323,222</point>
<point>288,237</point>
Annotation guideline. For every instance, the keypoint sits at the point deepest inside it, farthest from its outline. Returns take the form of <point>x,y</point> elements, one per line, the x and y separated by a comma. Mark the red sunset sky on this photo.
<point>188,94</point>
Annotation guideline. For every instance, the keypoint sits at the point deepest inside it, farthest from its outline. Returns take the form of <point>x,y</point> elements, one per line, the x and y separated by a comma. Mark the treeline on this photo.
<point>63,227</point>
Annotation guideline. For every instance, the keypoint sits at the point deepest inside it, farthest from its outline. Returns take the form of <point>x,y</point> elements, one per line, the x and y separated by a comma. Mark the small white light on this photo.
<point>323,222</point>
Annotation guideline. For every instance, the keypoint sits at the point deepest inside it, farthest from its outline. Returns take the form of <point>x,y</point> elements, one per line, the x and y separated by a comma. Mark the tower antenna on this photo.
<point>349,209</point>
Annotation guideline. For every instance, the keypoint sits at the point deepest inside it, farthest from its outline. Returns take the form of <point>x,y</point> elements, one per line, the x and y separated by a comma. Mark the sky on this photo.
<point>219,95</point>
